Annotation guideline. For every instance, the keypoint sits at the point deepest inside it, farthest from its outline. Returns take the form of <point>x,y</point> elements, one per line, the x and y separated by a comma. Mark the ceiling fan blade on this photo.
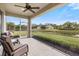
<point>32,11</point>
<point>27,3</point>
<point>35,7</point>
<point>25,10</point>
<point>19,6</point>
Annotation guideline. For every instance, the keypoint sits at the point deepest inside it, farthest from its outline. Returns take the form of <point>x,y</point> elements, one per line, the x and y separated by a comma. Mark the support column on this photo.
<point>3,22</point>
<point>29,28</point>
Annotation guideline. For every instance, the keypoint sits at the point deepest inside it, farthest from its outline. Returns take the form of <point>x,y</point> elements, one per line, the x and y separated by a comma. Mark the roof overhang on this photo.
<point>7,7</point>
<point>50,6</point>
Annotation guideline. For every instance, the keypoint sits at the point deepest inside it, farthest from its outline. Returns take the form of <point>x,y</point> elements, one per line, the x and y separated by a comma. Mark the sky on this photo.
<point>69,12</point>
<point>16,20</point>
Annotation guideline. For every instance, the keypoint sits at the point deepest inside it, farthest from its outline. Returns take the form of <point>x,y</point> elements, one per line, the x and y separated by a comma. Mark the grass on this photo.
<point>22,33</point>
<point>62,32</point>
<point>70,43</point>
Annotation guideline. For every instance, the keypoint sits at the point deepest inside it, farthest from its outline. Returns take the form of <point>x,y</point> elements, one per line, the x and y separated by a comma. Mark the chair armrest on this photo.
<point>20,50</point>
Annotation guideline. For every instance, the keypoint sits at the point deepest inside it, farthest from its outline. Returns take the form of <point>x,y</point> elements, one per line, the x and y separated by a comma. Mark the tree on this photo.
<point>34,26</point>
<point>75,26</point>
<point>23,27</point>
<point>10,26</point>
<point>69,26</point>
<point>43,27</point>
<point>17,28</point>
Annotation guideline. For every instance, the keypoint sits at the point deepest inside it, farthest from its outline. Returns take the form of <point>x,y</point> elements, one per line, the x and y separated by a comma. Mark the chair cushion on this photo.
<point>20,50</point>
<point>8,39</point>
<point>17,46</point>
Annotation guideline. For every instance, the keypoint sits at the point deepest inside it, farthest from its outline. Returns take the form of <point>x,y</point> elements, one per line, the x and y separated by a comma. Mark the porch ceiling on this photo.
<point>11,10</point>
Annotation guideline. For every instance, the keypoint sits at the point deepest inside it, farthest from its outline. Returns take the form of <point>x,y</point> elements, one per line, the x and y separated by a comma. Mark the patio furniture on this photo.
<point>14,39</point>
<point>10,50</point>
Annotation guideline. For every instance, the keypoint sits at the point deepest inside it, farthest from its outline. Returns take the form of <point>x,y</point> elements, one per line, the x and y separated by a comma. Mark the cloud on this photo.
<point>74,6</point>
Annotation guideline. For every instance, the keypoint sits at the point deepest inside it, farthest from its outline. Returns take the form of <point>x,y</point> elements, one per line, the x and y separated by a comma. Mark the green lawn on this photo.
<point>22,33</point>
<point>70,43</point>
<point>62,32</point>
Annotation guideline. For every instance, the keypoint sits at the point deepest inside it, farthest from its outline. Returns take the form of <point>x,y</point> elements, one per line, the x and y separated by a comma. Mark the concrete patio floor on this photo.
<point>37,48</point>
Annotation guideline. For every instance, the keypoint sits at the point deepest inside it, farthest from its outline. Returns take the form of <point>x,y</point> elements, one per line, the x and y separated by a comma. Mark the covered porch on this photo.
<point>35,46</point>
<point>9,9</point>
